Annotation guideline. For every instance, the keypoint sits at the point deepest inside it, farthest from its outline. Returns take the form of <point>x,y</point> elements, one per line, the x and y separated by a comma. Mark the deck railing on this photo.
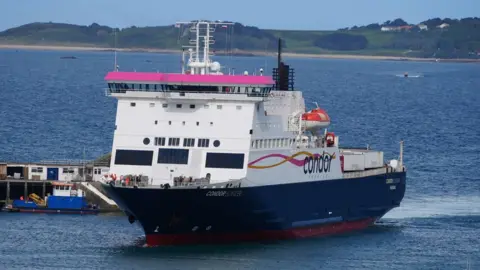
<point>65,162</point>
<point>168,93</point>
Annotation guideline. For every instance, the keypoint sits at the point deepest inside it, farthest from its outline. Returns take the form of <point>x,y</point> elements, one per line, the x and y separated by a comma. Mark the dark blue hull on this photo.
<point>176,216</point>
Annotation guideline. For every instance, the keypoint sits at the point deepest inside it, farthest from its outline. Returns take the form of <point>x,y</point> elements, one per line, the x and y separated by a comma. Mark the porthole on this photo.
<point>146,141</point>
<point>216,143</point>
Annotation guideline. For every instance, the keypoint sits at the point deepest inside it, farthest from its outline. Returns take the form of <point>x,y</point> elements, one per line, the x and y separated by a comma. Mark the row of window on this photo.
<point>185,88</point>
<point>179,106</point>
<point>68,170</point>
<point>187,142</point>
<point>272,143</point>
<point>158,141</point>
<point>97,171</point>
<point>37,170</point>
<point>173,141</point>
<point>178,156</point>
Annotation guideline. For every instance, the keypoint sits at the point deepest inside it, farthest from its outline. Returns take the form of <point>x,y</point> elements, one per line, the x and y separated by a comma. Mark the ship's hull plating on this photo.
<point>188,216</point>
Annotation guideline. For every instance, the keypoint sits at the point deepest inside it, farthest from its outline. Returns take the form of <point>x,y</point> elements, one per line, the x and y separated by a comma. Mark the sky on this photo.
<point>269,14</point>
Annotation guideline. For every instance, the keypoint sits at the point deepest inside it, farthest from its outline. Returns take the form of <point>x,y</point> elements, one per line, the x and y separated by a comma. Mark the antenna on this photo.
<point>183,60</point>
<point>279,56</point>
<point>115,67</point>
<point>84,169</point>
<point>199,61</point>
<point>401,154</point>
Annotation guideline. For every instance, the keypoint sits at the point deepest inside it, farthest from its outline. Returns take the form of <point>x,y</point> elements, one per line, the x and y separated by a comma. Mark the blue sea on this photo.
<point>53,108</point>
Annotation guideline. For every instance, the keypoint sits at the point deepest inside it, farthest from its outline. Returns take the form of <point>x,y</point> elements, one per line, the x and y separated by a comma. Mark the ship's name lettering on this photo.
<point>317,164</point>
<point>224,193</point>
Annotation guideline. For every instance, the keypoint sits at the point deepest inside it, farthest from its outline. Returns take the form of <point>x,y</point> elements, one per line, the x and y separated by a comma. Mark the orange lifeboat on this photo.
<point>316,119</point>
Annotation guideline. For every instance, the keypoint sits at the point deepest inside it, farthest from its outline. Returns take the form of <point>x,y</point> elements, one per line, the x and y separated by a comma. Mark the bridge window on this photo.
<point>172,156</point>
<point>192,106</point>
<point>203,142</point>
<point>164,105</point>
<point>132,104</point>
<point>134,157</point>
<point>179,106</point>
<point>224,161</point>
<point>173,141</point>
<point>188,142</point>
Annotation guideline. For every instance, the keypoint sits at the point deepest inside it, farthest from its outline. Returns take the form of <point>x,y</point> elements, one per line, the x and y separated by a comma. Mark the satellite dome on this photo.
<point>393,163</point>
<point>215,66</point>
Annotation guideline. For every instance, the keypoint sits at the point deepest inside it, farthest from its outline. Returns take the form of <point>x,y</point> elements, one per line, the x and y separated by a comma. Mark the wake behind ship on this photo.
<point>206,157</point>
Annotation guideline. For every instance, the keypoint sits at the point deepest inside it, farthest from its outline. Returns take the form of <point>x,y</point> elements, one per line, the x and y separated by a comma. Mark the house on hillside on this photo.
<point>387,28</point>
<point>405,28</point>
<point>396,28</point>
<point>422,27</point>
<point>443,25</point>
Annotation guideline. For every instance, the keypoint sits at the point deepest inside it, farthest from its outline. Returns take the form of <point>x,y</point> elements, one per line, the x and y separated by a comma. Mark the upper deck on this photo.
<point>188,79</point>
<point>188,86</point>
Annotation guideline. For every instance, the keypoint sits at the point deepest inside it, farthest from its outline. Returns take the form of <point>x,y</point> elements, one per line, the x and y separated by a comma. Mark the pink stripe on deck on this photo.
<point>190,79</point>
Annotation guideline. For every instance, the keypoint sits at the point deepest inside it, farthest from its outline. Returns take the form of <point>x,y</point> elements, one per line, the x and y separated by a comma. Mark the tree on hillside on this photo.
<point>373,26</point>
<point>395,23</point>
<point>432,23</point>
<point>341,42</point>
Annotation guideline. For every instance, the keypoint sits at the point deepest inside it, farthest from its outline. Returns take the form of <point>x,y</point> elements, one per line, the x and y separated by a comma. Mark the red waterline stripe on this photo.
<point>208,238</point>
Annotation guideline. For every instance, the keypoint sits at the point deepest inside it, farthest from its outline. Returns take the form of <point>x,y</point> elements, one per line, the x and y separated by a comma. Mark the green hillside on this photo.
<point>457,38</point>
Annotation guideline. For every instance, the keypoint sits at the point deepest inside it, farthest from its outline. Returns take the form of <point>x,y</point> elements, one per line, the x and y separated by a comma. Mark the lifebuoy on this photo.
<point>330,138</point>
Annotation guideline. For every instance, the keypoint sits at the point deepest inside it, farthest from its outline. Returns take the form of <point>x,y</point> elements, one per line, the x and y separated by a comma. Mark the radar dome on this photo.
<point>393,163</point>
<point>215,66</point>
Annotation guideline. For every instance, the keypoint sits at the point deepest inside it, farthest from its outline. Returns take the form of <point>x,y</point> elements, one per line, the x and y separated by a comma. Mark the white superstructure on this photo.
<point>202,127</point>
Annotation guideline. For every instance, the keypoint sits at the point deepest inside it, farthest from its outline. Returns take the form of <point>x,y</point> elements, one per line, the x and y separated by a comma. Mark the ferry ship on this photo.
<point>205,157</point>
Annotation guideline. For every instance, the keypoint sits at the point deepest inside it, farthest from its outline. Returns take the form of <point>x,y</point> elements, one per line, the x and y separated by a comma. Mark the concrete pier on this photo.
<point>12,189</point>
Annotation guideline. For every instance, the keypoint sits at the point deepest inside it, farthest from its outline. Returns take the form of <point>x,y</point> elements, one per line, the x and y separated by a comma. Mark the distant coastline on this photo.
<point>238,53</point>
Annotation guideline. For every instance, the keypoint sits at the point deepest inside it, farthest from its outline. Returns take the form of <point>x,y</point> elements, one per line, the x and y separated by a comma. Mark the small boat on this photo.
<point>68,57</point>
<point>66,199</point>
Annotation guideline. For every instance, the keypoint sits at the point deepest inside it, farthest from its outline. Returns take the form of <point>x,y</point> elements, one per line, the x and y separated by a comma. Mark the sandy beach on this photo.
<point>285,54</point>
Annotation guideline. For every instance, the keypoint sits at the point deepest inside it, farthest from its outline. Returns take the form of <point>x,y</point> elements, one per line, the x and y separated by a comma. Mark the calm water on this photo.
<point>54,109</point>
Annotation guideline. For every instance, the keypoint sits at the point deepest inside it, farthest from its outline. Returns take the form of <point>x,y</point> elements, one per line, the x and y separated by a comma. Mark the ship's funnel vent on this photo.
<point>283,75</point>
